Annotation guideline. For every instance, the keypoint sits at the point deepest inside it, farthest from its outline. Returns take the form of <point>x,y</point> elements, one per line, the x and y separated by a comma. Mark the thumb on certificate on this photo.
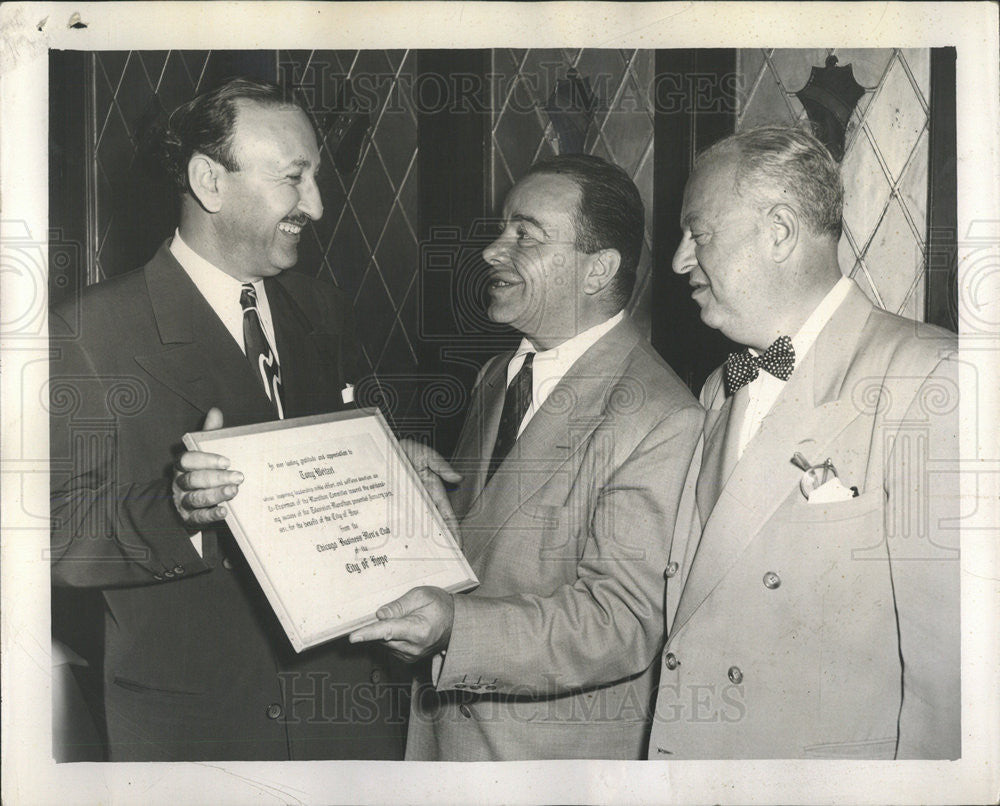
<point>436,462</point>
<point>213,420</point>
<point>407,603</point>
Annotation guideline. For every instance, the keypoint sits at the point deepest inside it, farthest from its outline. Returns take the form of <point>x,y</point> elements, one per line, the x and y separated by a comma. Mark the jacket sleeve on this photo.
<point>608,625</point>
<point>922,537</point>
<point>106,531</point>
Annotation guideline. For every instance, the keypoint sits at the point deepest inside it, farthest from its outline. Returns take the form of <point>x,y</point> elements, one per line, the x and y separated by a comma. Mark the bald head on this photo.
<point>761,223</point>
<point>780,164</point>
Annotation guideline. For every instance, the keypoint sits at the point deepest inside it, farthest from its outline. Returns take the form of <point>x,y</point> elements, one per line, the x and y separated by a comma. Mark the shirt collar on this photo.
<point>221,290</point>
<point>806,337</point>
<point>549,366</point>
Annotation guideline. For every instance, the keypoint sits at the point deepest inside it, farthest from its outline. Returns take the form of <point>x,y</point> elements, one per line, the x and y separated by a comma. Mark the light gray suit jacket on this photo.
<point>823,630</point>
<point>554,655</point>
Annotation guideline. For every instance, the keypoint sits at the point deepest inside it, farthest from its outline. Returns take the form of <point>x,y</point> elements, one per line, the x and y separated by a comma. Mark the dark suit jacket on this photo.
<point>195,664</point>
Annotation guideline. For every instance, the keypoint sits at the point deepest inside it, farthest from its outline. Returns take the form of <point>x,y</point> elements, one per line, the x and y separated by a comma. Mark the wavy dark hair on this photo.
<point>207,123</point>
<point>610,216</point>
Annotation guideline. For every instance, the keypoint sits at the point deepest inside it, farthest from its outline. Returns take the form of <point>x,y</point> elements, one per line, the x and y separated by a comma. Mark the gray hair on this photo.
<point>795,163</point>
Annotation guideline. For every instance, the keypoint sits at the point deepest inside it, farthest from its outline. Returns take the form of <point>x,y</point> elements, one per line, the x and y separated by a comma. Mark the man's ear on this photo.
<point>601,271</point>
<point>204,174</point>
<point>783,223</point>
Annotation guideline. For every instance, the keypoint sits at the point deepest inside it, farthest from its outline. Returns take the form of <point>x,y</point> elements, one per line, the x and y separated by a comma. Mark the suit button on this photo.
<point>489,687</point>
<point>168,574</point>
<point>670,661</point>
<point>671,570</point>
<point>227,564</point>
<point>460,685</point>
<point>273,711</point>
<point>735,675</point>
<point>376,676</point>
<point>465,711</point>
<point>178,569</point>
<point>158,578</point>
<point>771,580</point>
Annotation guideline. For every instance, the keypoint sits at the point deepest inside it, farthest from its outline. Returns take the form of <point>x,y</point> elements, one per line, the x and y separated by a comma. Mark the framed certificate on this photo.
<point>333,520</point>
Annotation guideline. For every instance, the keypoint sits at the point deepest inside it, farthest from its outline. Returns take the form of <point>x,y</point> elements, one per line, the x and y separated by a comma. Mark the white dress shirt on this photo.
<point>222,292</point>
<point>549,366</point>
<point>763,391</point>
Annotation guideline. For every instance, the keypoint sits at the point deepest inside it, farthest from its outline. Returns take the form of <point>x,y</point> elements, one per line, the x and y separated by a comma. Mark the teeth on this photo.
<point>291,229</point>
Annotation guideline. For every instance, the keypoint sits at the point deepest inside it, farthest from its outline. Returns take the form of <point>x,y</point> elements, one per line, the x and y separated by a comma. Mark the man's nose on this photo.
<point>310,201</point>
<point>684,260</point>
<point>493,252</point>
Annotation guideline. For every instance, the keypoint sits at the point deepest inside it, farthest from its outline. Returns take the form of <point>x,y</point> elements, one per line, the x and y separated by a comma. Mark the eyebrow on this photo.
<point>530,220</point>
<point>298,162</point>
<point>688,219</point>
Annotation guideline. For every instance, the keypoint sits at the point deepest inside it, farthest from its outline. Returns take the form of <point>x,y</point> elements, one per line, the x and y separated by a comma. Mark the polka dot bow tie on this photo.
<point>743,367</point>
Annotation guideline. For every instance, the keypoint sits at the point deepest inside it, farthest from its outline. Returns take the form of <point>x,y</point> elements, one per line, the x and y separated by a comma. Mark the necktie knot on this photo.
<point>248,297</point>
<point>743,367</point>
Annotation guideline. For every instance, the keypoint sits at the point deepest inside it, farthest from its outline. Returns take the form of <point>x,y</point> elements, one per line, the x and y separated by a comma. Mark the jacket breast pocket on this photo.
<point>839,530</point>
<point>862,506</point>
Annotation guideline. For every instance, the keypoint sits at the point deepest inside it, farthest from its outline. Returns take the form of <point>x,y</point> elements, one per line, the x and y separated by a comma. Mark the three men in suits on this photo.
<point>572,458</point>
<point>813,599</point>
<point>195,665</point>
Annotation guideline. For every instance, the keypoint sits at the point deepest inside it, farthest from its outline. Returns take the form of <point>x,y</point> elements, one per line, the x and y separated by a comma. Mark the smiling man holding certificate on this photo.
<point>195,664</point>
<point>573,456</point>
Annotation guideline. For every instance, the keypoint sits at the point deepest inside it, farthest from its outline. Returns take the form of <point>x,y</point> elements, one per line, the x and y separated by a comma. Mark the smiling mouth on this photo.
<point>289,228</point>
<point>499,283</point>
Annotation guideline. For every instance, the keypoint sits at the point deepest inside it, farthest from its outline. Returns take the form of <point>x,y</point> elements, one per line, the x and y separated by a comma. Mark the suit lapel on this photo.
<point>808,415</point>
<point>310,365</point>
<point>553,434</point>
<point>475,443</point>
<point>721,436</point>
<point>198,358</point>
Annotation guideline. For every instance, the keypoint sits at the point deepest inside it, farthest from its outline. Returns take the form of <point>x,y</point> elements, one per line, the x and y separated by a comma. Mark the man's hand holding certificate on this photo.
<point>330,515</point>
<point>415,625</point>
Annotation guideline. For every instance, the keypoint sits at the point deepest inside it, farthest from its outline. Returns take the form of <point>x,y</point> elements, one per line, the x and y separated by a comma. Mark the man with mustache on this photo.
<point>195,665</point>
<point>572,459</point>
<point>813,599</point>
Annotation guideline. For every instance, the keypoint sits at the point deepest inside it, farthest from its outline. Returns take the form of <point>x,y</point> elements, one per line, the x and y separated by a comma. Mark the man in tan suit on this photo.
<point>573,457</point>
<point>813,598</point>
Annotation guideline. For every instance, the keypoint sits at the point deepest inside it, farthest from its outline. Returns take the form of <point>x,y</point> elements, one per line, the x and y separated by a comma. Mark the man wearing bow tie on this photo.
<point>572,457</point>
<point>813,599</point>
<point>195,664</point>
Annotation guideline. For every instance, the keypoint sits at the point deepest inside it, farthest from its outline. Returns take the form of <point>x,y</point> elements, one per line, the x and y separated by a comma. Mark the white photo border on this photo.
<point>29,30</point>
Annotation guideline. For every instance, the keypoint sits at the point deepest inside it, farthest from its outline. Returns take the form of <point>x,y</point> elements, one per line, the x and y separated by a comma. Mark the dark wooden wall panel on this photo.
<point>695,106</point>
<point>941,302</point>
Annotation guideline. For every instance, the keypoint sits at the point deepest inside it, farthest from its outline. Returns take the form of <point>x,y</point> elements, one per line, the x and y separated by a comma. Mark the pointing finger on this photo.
<point>380,631</point>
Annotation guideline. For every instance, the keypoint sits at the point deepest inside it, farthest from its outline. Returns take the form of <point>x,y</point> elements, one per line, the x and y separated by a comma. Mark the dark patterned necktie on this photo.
<point>259,353</point>
<point>515,405</point>
<point>743,367</point>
